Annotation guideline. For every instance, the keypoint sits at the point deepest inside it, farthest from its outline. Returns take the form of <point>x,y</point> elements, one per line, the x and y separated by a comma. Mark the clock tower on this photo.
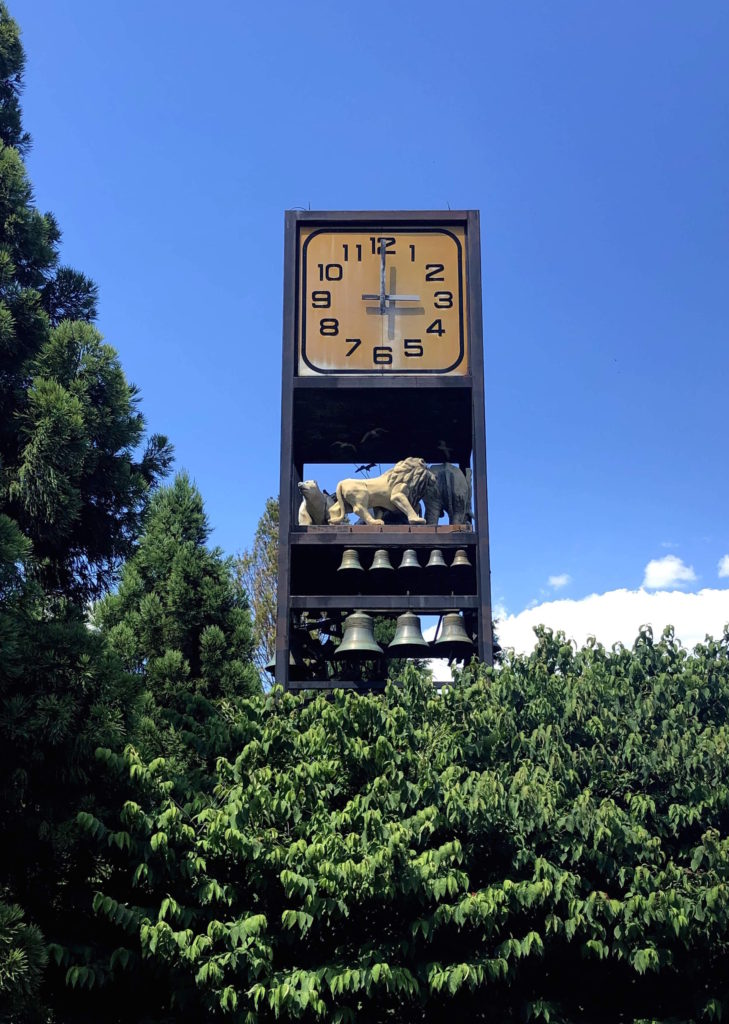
<point>382,362</point>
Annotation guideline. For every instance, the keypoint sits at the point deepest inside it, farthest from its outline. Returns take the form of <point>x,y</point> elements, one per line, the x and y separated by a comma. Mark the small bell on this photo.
<point>454,642</point>
<point>381,561</point>
<point>408,641</point>
<point>294,663</point>
<point>358,640</point>
<point>409,560</point>
<point>460,560</point>
<point>436,560</point>
<point>350,561</point>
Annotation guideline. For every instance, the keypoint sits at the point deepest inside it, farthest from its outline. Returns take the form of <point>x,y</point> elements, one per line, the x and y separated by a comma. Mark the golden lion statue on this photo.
<point>397,489</point>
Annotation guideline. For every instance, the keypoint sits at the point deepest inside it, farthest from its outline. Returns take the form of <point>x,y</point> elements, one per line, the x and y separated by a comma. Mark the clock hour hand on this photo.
<point>395,298</point>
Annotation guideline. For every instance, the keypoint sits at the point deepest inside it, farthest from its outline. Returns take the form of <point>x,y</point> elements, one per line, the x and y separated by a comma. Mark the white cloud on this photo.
<point>724,566</point>
<point>499,610</point>
<point>668,571</point>
<point>618,615</point>
<point>560,581</point>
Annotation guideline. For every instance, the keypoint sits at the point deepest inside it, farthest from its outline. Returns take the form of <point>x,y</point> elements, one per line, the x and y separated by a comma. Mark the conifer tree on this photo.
<point>70,425</point>
<point>75,479</point>
<point>179,624</point>
<point>180,619</point>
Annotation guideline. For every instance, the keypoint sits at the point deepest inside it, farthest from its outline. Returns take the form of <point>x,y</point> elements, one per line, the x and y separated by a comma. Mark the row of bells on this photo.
<point>351,563</point>
<point>358,639</point>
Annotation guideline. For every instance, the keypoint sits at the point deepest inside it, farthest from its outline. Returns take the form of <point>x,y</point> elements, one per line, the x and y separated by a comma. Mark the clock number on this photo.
<point>382,355</point>
<point>434,271</point>
<point>413,347</point>
<point>358,247</point>
<point>412,253</point>
<point>330,271</point>
<point>329,327</point>
<point>377,243</point>
<point>355,343</point>
<point>444,300</point>
<point>321,300</point>
<point>436,328</point>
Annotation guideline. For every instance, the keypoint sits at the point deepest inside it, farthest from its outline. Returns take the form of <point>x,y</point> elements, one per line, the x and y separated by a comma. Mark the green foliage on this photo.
<point>22,959</point>
<point>62,694</point>
<point>180,622</point>
<point>71,473</point>
<point>179,614</point>
<point>12,63</point>
<point>75,479</point>
<point>70,477</point>
<point>549,841</point>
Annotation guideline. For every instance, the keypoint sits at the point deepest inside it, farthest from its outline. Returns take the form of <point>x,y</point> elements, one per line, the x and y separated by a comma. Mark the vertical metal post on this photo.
<point>485,631</point>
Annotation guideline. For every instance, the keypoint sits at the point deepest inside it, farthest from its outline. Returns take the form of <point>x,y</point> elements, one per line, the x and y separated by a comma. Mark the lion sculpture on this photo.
<point>398,489</point>
<point>315,504</point>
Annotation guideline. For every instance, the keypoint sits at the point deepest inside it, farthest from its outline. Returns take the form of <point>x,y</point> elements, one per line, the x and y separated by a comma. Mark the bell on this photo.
<point>436,560</point>
<point>358,640</point>
<point>454,642</point>
<point>381,561</point>
<point>408,641</point>
<point>294,663</point>
<point>350,561</point>
<point>409,560</point>
<point>460,560</point>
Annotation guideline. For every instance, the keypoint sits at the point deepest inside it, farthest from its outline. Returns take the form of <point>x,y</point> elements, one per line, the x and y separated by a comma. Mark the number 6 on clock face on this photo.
<point>375,300</point>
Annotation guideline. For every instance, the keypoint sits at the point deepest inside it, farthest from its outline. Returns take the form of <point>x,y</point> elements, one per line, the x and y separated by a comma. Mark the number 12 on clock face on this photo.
<point>382,301</point>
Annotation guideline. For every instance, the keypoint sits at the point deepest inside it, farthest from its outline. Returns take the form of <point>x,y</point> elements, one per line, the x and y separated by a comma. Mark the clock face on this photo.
<point>373,300</point>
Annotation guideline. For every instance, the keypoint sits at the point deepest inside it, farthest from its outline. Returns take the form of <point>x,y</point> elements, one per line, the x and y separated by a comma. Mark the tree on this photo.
<point>180,620</point>
<point>257,569</point>
<point>75,478</point>
<point>546,841</point>
<point>70,425</point>
<point>179,627</point>
<point>62,694</point>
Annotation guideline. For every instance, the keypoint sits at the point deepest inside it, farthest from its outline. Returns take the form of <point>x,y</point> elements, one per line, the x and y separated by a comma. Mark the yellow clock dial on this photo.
<point>379,301</point>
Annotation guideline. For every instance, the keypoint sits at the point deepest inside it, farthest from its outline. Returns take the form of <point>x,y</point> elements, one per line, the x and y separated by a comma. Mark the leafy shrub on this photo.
<point>545,842</point>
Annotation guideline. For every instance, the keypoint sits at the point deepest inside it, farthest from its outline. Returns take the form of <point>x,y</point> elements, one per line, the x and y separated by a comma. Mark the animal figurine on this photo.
<point>397,489</point>
<point>315,504</point>
<point>450,492</point>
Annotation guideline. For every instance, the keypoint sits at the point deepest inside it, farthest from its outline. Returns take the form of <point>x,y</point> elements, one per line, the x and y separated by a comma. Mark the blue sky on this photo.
<point>169,138</point>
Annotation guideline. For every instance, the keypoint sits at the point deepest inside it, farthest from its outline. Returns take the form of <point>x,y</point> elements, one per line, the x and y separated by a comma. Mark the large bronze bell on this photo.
<point>350,561</point>
<point>358,640</point>
<point>436,560</point>
<point>460,560</point>
<point>454,642</point>
<point>409,560</point>
<point>408,641</point>
<point>381,561</point>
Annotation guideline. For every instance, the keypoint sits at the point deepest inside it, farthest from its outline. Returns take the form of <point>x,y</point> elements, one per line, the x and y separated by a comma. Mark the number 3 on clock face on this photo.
<point>377,300</point>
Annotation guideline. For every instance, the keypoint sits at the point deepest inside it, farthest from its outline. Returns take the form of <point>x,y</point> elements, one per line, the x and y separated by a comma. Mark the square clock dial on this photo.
<point>378,301</point>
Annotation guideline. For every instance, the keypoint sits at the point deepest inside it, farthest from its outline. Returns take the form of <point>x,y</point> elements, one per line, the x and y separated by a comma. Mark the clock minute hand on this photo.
<point>383,257</point>
<point>383,297</point>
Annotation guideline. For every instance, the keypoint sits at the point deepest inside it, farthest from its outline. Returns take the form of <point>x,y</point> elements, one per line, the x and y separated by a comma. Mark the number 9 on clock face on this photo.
<point>375,300</point>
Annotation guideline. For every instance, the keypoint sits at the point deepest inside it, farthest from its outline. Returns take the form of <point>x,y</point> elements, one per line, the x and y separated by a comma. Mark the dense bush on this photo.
<point>544,842</point>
